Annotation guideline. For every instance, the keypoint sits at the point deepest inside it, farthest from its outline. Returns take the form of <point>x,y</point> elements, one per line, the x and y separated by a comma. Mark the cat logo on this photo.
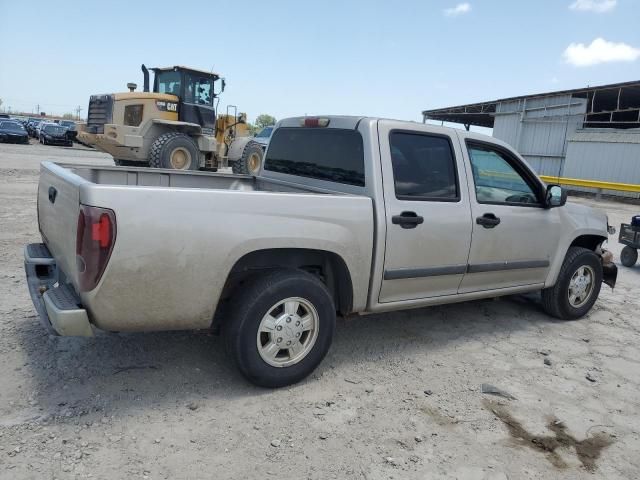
<point>166,106</point>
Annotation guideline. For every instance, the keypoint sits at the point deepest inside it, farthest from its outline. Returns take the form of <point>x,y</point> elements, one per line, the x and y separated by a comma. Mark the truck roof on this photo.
<point>352,121</point>
<point>181,67</point>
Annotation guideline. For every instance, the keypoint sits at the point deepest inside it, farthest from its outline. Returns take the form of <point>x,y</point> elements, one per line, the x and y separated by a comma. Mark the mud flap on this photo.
<point>609,274</point>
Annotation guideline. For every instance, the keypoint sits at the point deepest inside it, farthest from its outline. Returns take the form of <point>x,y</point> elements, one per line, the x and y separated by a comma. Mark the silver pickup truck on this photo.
<point>348,215</point>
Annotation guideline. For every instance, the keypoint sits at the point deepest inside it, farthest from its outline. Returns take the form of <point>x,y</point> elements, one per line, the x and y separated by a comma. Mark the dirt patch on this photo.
<point>587,450</point>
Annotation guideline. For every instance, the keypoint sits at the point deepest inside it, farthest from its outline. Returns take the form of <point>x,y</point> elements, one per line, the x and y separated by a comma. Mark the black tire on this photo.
<point>555,300</point>
<point>250,161</point>
<point>163,147</point>
<point>628,256</point>
<point>249,307</point>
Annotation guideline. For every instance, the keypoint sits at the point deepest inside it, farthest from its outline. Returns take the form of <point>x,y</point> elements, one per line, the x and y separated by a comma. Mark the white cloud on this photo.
<point>459,9</point>
<point>599,51</point>
<point>598,6</point>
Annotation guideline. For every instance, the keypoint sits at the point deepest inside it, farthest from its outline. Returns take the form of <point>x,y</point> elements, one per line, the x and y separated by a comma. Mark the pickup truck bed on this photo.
<point>174,246</point>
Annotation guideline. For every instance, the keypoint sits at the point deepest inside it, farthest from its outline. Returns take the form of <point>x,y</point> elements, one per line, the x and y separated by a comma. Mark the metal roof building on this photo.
<point>588,133</point>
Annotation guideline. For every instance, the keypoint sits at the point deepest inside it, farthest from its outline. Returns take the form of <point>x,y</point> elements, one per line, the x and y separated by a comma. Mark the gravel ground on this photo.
<point>398,396</point>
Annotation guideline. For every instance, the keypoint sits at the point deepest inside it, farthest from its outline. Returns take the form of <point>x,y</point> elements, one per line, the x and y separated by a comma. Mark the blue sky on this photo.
<point>384,58</point>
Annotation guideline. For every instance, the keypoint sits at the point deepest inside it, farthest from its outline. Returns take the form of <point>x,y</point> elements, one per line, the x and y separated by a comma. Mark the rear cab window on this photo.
<point>329,154</point>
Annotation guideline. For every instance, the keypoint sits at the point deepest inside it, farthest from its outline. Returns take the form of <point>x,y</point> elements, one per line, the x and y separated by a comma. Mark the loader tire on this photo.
<point>175,151</point>
<point>250,161</point>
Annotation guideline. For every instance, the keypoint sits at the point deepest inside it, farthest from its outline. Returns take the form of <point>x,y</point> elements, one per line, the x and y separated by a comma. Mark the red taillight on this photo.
<point>95,237</point>
<point>101,231</point>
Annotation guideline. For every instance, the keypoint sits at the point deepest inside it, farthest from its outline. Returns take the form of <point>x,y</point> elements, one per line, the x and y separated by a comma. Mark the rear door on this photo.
<point>427,212</point>
<point>514,236</point>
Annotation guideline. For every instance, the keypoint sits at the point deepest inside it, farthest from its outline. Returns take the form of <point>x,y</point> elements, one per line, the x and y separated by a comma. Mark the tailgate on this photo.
<point>58,207</point>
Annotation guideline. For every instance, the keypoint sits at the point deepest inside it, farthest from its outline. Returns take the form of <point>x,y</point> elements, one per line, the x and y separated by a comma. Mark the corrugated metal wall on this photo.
<point>604,154</point>
<point>548,133</point>
<point>538,128</point>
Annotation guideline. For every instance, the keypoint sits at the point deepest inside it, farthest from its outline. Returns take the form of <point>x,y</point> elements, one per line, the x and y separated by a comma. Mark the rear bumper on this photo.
<point>58,305</point>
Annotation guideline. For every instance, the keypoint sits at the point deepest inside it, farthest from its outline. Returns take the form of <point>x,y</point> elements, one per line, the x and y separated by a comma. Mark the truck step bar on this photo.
<point>38,253</point>
<point>59,307</point>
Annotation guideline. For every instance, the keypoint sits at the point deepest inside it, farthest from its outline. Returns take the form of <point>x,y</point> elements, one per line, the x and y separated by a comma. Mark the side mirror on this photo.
<point>556,196</point>
<point>222,85</point>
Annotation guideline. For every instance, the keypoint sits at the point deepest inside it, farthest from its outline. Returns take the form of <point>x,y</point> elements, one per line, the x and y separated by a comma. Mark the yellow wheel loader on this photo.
<point>175,126</point>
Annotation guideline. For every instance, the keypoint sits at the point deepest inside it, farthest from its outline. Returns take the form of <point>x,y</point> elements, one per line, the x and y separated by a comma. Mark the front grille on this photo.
<point>100,112</point>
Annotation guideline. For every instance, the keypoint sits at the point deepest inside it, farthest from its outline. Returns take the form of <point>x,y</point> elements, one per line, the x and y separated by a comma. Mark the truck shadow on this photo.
<point>115,372</point>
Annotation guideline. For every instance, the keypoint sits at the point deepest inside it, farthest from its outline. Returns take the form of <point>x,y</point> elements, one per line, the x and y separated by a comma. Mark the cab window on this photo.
<point>496,178</point>
<point>423,167</point>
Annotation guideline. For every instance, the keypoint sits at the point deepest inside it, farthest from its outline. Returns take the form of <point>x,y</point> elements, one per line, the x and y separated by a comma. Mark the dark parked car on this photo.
<point>52,134</point>
<point>70,125</point>
<point>12,132</point>
<point>32,127</point>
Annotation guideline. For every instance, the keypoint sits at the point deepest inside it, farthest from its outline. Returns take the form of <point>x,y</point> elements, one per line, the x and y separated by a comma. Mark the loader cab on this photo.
<point>196,90</point>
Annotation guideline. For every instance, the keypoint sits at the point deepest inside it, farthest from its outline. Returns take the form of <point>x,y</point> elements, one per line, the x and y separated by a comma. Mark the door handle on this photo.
<point>488,220</point>
<point>407,220</point>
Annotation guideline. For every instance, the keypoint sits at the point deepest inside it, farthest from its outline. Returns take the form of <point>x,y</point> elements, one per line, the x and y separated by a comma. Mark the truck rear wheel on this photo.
<point>176,151</point>
<point>628,256</point>
<point>280,327</point>
<point>577,287</point>
<point>250,161</point>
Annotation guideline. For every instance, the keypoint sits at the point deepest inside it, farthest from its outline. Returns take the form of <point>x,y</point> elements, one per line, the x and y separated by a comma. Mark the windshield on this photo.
<point>265,132</point>
<point>54,129</point>
<point>67,123</point>
<point>13,126</point>
<point>168,82</point>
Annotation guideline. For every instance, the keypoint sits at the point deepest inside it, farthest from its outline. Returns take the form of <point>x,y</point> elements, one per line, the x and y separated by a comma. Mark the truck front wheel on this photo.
<point>577,287</point>
<point>176,151</point>
<point>280,328</point>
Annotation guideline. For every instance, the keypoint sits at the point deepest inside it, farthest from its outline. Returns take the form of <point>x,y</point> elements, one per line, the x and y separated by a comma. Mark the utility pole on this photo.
<point>78,111</point>
<point>38,109</point>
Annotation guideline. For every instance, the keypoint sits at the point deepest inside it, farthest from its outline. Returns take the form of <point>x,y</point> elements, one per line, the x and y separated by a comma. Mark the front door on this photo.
<point>427,209</point>
<point>197,102</point>
<point>514,236</point>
